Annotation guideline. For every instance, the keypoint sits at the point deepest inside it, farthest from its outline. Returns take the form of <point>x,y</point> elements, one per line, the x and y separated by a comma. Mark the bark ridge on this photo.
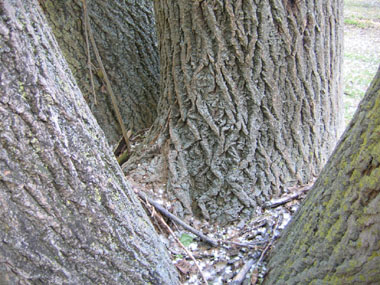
<point>125,35</point>
<point>335,236</point>
<point>251,99</point>
<point>67,214</point>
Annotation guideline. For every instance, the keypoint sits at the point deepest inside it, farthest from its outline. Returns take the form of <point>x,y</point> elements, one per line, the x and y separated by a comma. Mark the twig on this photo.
<point>89,63</point>
<point>243,244</point>
<point>166,213</point>
<point>265,251</point>
<point>285,200</point>
<point>210,241</point>
<point>154,213</point>
<point>239,278</point>
<point>279,221</point>
<point>108,83</point>
<point>249,228</point>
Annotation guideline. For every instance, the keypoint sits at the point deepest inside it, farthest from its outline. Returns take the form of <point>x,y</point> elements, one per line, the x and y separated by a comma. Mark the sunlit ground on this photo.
<point>361,50</point>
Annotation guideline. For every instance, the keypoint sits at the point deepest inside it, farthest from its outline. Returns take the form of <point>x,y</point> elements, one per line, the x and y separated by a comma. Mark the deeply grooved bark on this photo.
<point>125,36</point>
<point>335,236</point>
<point>67,215</point>
<point>253,93</point>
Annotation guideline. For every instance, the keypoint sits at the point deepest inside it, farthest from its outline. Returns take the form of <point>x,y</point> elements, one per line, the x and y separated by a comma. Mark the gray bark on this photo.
<point>125,35</point>
<point>335,236</point>
<point>250,99</point>
<point>67,215</point>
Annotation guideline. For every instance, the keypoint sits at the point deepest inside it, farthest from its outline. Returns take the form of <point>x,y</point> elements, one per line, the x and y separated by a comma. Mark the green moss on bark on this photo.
<point>335,236</point>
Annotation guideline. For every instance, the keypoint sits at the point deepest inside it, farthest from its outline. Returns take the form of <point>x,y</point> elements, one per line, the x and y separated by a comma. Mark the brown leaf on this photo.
<point>103,89</point>
<point>183,266</point>
<point>254,277</point>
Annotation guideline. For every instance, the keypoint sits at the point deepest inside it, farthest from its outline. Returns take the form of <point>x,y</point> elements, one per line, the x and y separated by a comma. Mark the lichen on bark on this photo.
<point>335,236</point>
<point>67,215</point>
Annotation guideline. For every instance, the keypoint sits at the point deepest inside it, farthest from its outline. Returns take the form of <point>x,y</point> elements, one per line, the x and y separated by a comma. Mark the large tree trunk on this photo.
<point>67,215</point>
<point>335,236</point>
<point>125,35</point>
<point>250,98</point>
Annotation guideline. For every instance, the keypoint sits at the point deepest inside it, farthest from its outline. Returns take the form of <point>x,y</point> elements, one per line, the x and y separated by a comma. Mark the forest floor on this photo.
<point>232,254</point>
<point>238,257</point>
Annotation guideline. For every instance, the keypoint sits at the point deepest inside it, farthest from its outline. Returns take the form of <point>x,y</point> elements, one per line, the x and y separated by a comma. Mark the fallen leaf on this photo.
<point>254,276</point>
<point>186,239</point>
<point>183,266</point>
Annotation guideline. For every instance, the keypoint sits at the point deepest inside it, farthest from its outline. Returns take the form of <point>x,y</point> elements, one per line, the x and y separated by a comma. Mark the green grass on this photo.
<point>362,11</point>
<point>361,50</point>
<point>360,23</point>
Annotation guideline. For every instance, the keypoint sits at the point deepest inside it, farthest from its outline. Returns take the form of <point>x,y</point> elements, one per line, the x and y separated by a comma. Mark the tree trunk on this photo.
<point>125,35</point>
<point>250,99</point>
<point>67,215</point>
<point>335,236</point>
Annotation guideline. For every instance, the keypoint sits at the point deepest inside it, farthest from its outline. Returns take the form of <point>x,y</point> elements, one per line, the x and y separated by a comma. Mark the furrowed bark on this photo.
<point>67,215</point>
<point>125,35</point>
<point>335,236</point>
<point>250,99</point>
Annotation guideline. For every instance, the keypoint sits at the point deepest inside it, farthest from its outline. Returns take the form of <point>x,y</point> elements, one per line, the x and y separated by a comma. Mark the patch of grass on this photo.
<point>361,50</point>
<point>362,9</point>
<point>362,13</point>
<point>360,23</point>
<point>359,57</point>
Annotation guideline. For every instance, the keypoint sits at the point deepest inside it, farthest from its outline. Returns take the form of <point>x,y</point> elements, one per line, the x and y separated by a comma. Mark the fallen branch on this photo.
<point>178,221</point>
<point>239,278</point>
<point>203,237</point>
<point>244,244</point>
<point>159,217</point>
<point>284,200</point>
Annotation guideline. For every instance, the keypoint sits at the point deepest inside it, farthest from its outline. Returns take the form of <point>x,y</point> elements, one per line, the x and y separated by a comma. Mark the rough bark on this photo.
<point>250,99</point>
<point>125,35</point>
<point>335,236</point>
<point>67,215</point>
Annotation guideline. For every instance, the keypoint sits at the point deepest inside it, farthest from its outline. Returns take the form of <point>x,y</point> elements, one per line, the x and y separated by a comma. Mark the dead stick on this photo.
<point>108,83</point>
<point>166,213</point>
<point>244,244</point>
<point>89,63</point>
<point>239,278</point>
<point>285,200</point>
<point>177,240</point>
<point>279,221</point>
